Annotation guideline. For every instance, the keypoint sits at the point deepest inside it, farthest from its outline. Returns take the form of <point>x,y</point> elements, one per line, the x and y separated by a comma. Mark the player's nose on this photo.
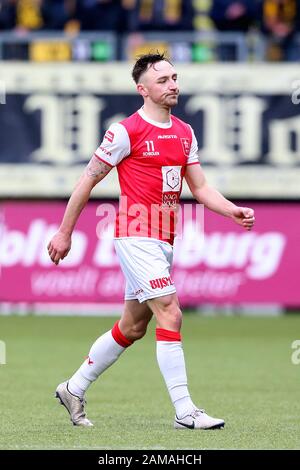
<point>173,86</point>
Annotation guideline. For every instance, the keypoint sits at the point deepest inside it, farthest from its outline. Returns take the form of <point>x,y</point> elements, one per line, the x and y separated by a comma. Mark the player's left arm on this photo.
<point>214,200</point>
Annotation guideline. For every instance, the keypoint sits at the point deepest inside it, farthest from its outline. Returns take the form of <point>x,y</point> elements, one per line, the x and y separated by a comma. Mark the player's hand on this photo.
<point>244,216</point>
<point>59,247</point>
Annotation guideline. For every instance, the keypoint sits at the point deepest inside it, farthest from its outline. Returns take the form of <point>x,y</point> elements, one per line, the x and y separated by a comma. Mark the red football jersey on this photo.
<point>151,160</point>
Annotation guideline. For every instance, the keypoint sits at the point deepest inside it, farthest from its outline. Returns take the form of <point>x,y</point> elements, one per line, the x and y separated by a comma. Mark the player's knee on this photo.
<point>137,331</point>
<point>169,305</point>
<point>174,318</point>
<point>169,312</point>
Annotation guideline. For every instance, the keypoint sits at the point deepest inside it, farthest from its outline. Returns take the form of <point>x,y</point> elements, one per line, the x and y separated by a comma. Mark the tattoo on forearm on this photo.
<point>97,168</point>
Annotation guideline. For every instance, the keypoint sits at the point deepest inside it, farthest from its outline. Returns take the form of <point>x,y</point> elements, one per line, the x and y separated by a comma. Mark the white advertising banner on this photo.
<point>246,119</point>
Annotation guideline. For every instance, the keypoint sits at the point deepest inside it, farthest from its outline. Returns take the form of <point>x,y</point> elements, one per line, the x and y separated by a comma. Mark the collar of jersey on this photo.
<point>162,125</point>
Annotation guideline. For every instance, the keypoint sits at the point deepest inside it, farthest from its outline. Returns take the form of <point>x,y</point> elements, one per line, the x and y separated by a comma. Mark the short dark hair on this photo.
<point>143,62</point>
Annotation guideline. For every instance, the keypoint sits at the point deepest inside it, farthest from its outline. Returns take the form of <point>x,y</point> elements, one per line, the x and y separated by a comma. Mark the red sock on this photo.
<point>167,335</point>
<point>119,337</point>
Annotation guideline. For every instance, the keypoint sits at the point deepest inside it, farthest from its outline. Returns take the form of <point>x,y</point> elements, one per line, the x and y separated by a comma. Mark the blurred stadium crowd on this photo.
<point>278,21</point>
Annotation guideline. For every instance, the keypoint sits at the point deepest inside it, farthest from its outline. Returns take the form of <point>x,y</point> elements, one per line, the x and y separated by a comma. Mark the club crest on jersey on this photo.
<point>109,136</point>
<point>186,145</point>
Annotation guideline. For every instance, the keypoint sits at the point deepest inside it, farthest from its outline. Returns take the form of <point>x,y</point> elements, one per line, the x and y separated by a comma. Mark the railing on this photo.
<point>56,46</point>
<point>108,46</point>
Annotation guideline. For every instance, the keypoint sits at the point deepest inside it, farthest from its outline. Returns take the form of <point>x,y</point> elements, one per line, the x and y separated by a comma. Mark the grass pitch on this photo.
<point>239,369</point>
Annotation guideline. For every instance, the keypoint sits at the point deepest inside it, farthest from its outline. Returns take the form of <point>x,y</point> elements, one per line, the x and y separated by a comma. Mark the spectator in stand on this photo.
<point>7,14</point>
<point>233,16</point>
<point>102,15</point>
<point>160,15</point>
<point>29,16</point>
<point>23,15</point>
<point>280,23</point>
<point>61,15</point>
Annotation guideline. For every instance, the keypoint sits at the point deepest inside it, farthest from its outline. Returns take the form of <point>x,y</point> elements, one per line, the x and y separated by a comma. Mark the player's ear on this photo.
<point>142,90</point>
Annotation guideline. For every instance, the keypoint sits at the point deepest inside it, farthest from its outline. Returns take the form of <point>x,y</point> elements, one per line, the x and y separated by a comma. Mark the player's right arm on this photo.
<point>114,147</point>
<point>60,244</point>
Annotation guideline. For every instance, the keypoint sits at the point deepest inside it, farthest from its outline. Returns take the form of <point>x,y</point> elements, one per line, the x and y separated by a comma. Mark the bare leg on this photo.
<point>135,319</point>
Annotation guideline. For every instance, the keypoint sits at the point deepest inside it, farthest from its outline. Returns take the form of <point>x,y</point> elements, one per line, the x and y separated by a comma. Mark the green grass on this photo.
<point>239,369</point>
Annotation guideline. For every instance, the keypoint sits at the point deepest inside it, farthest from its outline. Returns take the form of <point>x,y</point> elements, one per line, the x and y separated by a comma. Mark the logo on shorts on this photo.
<point>139,291</point>
<point>161,282</point>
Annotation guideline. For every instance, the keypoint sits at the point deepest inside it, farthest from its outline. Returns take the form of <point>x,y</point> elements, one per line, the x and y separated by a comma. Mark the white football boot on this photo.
<point>73,404</point>
<point>198,419</point>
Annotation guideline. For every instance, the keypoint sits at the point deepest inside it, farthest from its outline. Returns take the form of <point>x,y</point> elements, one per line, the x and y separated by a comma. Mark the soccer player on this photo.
<point>152,150</point>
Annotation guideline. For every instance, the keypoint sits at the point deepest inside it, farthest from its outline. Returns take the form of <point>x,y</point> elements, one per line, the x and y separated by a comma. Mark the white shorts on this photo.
<point>146,264</point>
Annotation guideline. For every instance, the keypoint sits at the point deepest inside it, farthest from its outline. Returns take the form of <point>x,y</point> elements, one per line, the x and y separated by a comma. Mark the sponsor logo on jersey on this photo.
<point>186,145</point>
<point>171,178</point>
<point>168,136</point>
<point>109,136</point>
<point>161,282</point>
<point>170,199</point>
